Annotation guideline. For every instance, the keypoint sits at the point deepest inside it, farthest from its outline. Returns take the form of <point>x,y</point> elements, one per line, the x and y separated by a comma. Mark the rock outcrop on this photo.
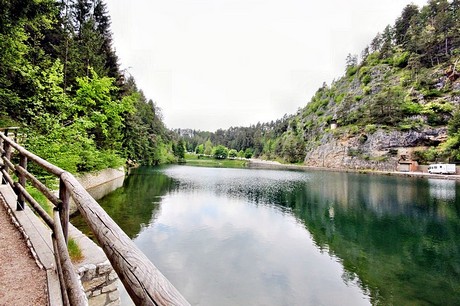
<point>380,150</point>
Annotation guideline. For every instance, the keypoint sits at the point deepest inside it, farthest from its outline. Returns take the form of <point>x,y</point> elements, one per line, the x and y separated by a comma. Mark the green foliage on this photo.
<point>370,128</point>
<point>199,149</point>
<point>339,98</point>
<point>451,147</point>
<point>59,80</point>
<point>431,93</point>
<point>366,79</point>
<point>70,149</point>
<point>220,152</point>
<point>400,59</point>
<point>411,108</point>
<point>98,113</point>
<point>232,153</point>
<point>386,106</point>
<point>206,161</point>
<point>208,147</point>
<point>353,129</point>
<point>293,148</point>
<point>75,252</point>
<point>41,199</point>
<point>353,152</point>
<point>367,90</point>
<point>351,71</point>
<point>373,59</point>
<point>364,75</point>
<point>179,149</point>
<point>426,156</point>
<point>248,153</point>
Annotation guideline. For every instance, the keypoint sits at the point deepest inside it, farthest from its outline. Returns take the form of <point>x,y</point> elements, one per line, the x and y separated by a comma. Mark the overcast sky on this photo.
<point>212,64</point>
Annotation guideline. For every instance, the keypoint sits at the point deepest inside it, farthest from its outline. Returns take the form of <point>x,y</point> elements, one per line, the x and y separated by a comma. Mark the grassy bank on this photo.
<point>207,161</point>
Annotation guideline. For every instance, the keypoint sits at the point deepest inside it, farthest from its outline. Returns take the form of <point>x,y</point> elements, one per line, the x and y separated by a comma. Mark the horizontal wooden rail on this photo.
<point>71,288</point>
<point>39,185</point>
<point>144,282</point>
<point>40,211</point>
<point>32,157</point>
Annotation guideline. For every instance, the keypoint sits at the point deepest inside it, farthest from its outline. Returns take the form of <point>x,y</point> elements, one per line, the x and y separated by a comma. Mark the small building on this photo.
<point>404,165</point>
<point>333,123</point>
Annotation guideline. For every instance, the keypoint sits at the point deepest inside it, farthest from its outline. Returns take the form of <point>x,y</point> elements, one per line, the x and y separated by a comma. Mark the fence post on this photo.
<point>2,164</point>
<point>64,196</point>
<point>22,182</point>
<point>7,155</point>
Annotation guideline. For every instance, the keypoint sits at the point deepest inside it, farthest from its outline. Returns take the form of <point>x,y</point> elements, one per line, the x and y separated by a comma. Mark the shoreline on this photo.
<point>267,164</point>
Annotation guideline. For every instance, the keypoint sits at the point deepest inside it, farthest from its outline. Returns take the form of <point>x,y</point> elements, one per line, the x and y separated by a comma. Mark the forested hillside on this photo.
<point>61,83</point>
<point>402,94</point>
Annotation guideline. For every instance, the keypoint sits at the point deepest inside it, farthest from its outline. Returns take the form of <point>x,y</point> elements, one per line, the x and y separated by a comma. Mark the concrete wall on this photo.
<point>98,184</point>
<point>93,179</point>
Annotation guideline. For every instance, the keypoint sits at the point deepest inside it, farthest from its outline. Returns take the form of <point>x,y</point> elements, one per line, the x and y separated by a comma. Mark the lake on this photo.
<point>273,237</point>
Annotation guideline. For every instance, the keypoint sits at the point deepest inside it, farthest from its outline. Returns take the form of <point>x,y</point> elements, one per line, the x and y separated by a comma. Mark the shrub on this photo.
<point>401,59</point>
<point>367,90</point>
<point>354,129</point>
<point>370,128</point>
<point>431,93</point>
<point>220,152</point>
<point>373,59</point>
<point>366,79</point>
<point>351,71</point>
<point>425,156</point>
<point>339,98</point>
<point>232,153</point>
<point>353,152</point>
<point>74,250</point>
<point>411,108</point>
<point>248,153</point>
<point>363,71</point>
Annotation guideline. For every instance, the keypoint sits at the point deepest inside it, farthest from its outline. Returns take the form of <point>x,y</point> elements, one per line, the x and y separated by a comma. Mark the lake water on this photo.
<point>271,237</point>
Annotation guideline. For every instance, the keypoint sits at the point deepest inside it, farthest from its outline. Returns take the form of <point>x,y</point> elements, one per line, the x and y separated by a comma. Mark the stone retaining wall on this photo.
<point>100,284</point>
<point>97,276</point>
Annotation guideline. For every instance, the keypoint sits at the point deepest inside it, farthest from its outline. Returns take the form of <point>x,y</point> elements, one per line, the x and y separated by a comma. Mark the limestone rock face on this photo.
<point>380,150</point>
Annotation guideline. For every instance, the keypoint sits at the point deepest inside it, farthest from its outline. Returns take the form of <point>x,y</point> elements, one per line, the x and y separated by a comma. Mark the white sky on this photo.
<point>212,64</point>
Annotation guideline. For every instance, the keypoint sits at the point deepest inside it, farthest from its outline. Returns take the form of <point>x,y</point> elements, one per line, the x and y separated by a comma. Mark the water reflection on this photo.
<point>266,237</point>
<point>442,189</point>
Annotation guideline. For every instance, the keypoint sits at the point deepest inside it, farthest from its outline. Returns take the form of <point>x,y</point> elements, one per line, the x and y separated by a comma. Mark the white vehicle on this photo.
<point>442,168</point>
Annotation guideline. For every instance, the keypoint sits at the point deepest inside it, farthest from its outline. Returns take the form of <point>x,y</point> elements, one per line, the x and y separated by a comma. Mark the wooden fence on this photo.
<point>144,282</point>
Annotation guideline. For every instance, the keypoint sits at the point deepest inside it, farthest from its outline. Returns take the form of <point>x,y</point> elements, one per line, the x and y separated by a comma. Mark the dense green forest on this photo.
<point>406,79</point>
<point>60,81</point>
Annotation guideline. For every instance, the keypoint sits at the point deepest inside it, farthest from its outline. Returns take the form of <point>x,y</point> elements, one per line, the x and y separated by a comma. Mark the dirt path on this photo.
<point>21,281</point>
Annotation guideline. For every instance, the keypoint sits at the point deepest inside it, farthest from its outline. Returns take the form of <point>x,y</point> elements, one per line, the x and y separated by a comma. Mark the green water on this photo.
<point>267,237</point>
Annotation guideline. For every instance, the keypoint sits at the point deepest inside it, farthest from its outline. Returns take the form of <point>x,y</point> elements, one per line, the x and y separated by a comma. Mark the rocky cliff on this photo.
<point>378,114</point>
<point>380,150</point>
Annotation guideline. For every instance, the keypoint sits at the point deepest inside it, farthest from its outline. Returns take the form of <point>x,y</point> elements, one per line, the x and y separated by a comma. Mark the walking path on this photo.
<point>27,266</point>
<point>22,282</point>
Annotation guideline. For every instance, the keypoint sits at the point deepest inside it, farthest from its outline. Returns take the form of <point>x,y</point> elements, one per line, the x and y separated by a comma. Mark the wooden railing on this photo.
<point>144,282</point>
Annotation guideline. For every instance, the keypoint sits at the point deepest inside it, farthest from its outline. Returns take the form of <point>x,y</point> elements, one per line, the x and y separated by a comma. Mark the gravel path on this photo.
<point>21,280</point>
